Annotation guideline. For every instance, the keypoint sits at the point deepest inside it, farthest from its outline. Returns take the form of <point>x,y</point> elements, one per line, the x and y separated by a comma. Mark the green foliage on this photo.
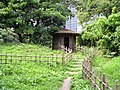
<point>79,84</point>
<point>108,66</point>
<point>27,49</point>
<point>89,9</point>
<point>32,18</point>
<point>104,33</point>
<point>8,35</point>
<point>32,76</point>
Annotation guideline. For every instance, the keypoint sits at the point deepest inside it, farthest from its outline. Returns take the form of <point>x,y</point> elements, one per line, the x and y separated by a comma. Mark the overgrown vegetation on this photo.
<point>88,10</point>
<point>27,49</point>
<point>101,23</point>
<point>78,83</point>
<point>32,76</point>
<point>103,33</point>
<point>109,66</point>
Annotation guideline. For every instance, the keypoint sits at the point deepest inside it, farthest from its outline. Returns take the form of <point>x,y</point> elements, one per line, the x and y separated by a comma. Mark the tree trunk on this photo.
<point>20,37</point>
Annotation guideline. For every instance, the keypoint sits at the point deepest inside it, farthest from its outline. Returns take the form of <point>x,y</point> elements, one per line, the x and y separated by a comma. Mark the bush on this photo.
<point>8,35</point>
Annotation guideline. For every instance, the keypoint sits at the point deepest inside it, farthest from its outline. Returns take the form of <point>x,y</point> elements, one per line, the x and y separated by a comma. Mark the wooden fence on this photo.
<point>18,58</point>
<point>67,55</point>
<point>97,81</point>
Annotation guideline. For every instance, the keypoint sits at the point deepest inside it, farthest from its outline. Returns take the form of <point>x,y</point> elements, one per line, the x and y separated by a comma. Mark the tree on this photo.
<point>32,18</point>
<point>90,9</point>
<point>105,34</point>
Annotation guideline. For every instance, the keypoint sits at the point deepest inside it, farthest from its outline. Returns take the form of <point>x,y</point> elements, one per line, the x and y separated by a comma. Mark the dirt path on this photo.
<point>76,69</point>
<point>66,84</point>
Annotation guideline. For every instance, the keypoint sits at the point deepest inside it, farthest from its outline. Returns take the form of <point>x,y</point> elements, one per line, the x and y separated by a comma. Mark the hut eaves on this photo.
<point>66,31</point>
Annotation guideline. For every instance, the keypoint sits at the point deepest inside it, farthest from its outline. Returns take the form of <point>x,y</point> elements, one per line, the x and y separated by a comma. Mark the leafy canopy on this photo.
<point>90,9</point>
<point>104,33</point>
<point>32,18</point>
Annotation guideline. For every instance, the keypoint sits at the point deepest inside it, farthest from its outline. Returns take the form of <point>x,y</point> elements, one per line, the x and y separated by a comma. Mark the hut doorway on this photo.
<point>66,42</point>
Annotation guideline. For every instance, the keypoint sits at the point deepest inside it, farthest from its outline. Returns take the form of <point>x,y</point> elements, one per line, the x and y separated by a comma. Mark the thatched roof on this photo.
<point>66,31</point>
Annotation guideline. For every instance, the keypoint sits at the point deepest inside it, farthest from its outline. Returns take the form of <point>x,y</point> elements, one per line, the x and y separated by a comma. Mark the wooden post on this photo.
<point>52,57</point>
<point>103,81</point>
<point>71,54</point>
<point>100,82</point>
<point>11,58</point>
<point>106,80</point>
<point>35,57</point>
<point>95,83</point>
<point>21,58</point>
<point>6,58</point>
<point>91,75</point>
<point>83,70</point>
<point>24,57</point>
<point>56,58</point>
<point>87,68</point>
<point>0,58</point>
<point>116,86</point>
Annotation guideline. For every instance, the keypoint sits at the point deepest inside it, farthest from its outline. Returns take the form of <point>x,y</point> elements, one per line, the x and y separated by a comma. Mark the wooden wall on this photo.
<point>58,40</point>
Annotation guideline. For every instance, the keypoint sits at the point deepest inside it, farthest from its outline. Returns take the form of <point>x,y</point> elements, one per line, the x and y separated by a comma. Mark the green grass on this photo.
<point>27,49</point>
<point>108,66</point>
<point>35,76</point>
<point>31,76</point>
<point>78,83</point>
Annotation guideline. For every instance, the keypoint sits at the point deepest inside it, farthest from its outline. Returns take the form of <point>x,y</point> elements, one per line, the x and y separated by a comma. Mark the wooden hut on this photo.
<point>64,37</point>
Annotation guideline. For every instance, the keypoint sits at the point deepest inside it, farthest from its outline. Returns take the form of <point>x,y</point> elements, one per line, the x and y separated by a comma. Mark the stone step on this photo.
<point>78,62</point>
<point>77,58</point>
<point>77,65</point>
<point>75,69</point>
<point>73,73</point>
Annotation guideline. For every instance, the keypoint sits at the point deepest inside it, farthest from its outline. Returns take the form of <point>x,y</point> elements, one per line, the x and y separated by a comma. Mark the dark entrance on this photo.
<point>66,42</point>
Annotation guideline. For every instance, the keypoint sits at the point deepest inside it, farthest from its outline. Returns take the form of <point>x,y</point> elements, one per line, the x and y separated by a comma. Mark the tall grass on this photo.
<point>31,76</point>
<point>108,66</point>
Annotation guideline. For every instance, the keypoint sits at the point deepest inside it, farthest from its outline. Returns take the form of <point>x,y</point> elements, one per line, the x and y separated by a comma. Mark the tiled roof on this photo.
<point>67,31</point>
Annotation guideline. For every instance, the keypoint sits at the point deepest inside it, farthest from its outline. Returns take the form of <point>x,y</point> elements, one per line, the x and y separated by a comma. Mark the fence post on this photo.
<point>11,57</point>
<point>94,82</point>
<point>52,59</point>
<point>91,75</point>
<point>104,81</point>
<point>116,86</point>
<point>100,82</point>
<point>0,58</point>
<point>21,58</point>
<point>85,67</point>
<point>6,58</point>
<point>83,70</point>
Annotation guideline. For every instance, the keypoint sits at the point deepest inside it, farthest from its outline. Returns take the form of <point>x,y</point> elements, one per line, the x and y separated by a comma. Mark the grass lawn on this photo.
<point>31,76</point>
<point>108,66</point>
<point>20,49</point>
<point>78,83</point>
<point>27,49</point>
<point>36,76</point>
